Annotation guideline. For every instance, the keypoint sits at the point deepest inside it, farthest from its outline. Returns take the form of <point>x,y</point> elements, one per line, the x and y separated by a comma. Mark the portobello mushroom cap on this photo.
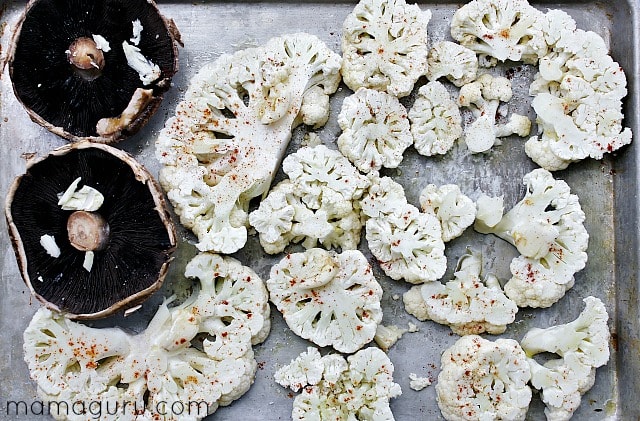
<point>129,237</point>
<point>69,68</point>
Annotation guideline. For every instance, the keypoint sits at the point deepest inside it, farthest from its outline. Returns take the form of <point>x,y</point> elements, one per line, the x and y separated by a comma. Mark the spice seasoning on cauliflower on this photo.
<point>483,380</point>
<point>467,303</point>
<point>333,388</point>
<point>385,46</point>
<point>330,299</point>
<point>218,152</point>
<point>375,130</point>
<point>583,346</point>
<point>197,352</point>
<point>547,228</point>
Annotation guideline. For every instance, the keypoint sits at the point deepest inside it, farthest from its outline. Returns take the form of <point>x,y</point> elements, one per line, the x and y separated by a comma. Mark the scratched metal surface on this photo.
<point>608,191</point>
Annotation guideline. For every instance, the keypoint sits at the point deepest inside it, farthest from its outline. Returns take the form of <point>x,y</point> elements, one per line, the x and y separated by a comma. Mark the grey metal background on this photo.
<point>608,191</point>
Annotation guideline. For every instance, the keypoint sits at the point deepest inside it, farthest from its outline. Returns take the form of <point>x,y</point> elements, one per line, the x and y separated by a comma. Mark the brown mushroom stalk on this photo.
<point>88,231</point>
<point>86,58</point>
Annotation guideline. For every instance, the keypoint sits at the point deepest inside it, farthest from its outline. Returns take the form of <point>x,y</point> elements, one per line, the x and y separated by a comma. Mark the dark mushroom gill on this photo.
<point>46,82</point>
<point>137,248</point>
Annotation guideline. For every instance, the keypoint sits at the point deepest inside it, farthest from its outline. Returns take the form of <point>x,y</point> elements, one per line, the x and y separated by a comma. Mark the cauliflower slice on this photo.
<point>359,387</point>
<point>547,228</point>
<point>283,218</point>
<point>455,62</point>
<point>483,98</point>
<point>578,99</point>
<point>467,303</point>
<point>408,245</point>
<point>314,170</point>
<point>198,352</point>
<point>375,130</point>
<point>435,120</point>
<point>224,145</point>
<point>483,380</point>
<point>385,46</point>
<point>383,197</point>
<point>454,210</point>
<point>340,307</point>
<point>502,29</point>
<point>583,346</point>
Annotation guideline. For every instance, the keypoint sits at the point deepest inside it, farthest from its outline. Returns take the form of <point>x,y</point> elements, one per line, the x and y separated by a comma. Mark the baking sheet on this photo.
<point>608,191</point>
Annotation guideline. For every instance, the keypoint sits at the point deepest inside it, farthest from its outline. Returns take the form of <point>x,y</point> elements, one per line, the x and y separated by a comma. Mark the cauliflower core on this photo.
<point>547,228</point>
<point>583,346</point>
<point>224,145</point>
<point>333,388</point>
<point>385,46</point>
<point>330,299</point>
<point>467,303</point>
<point>198,353</point>
<point>435,120</point>
<point>375,130</point>
<point>483,380</point>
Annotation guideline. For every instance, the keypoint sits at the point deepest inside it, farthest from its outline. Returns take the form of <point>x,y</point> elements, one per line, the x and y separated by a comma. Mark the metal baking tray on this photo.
<point>608,191</point>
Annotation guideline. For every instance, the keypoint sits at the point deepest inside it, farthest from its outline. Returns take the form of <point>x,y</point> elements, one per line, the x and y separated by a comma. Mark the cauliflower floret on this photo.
<point>385,46</point>
<point>502,29</point>
<point>283,218</point>
<point>383,197</point>
<point>483,380</point>
<point>224,145</point>
<point>435,119</point>
<point>547,228</point>
<point>387,336</point>
<point>314,170</point>
<point>375,130</point>
<point>408,245</point>
<point>578,99</point>
<point>359,387</point>
<point>483,98</point>
<point>467,303</point>
<point>454,210</point>
<point>489,210</point>
<point>330,299</point>
<point>198,352</point>
<point>583,346</point>
<point>453,61</point>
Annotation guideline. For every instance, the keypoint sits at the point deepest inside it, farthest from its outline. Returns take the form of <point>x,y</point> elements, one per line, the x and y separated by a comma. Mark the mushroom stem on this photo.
<point>88,59</point>
<point>88,231</point>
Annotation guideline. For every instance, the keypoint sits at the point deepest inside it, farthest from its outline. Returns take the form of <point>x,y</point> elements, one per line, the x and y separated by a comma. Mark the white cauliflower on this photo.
<point>578,98</point>
<point>547,228</point>
<point>387,336</point>
<point>330,299</point>
<point>283,218</point>
<point>455,62</point>
<point>385,46</point>
<point>384,196</point>
<point>489,210</point>
<point>375,130</point>
<point>314,170</point>
<point>483,380</point>
<point>583,346</point>
<point>454,210</point>
<point>333,388</point>
<point>467,303</point>
<point>483,97</point>
<point>435,120</point>
<point>501,29</point>
<point>199,352</point>
<point>408,244</point>
<point>224,145</point>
